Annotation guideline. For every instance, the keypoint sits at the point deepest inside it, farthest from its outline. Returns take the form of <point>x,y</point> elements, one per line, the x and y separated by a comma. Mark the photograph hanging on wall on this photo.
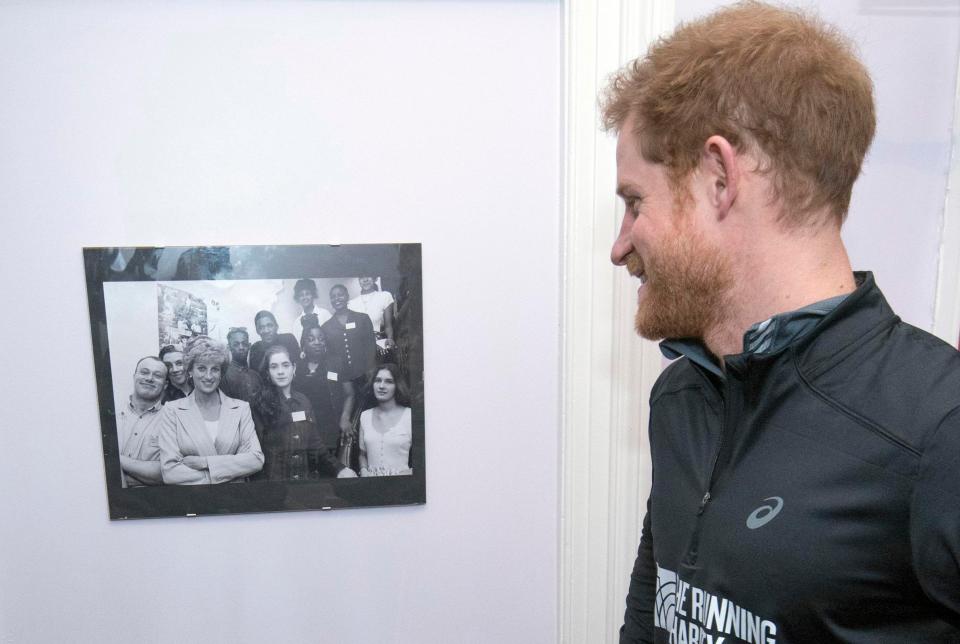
<point>258,378</point>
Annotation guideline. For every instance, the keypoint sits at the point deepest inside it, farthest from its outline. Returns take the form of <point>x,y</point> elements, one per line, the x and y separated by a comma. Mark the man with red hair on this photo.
<point>806,442</point>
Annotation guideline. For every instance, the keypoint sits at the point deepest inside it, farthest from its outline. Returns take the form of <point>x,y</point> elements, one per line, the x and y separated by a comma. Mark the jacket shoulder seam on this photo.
<point>867,423</point>
<point>826,363</point>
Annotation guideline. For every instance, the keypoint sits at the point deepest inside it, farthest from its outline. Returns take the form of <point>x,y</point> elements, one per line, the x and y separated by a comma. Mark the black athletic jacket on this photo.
<point>812,496</point>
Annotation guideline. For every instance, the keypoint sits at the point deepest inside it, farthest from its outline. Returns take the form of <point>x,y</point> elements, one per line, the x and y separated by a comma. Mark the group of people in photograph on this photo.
<point>327,400</point>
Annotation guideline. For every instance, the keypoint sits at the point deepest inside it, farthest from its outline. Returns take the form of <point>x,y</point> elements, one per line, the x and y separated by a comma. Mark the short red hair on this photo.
<point>773,81</point>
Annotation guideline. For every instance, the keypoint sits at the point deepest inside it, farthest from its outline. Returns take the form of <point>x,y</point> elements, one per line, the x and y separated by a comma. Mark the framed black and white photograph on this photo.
<point>258,378</point>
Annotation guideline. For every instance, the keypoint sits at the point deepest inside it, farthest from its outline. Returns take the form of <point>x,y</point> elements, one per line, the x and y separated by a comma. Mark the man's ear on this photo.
<point>720,167</point>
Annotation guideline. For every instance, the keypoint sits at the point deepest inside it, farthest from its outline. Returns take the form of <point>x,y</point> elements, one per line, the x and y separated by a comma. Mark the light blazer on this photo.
<point>235,454</point>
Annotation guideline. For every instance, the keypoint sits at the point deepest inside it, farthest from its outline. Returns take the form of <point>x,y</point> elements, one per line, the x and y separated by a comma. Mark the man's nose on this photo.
<point>622,246</point>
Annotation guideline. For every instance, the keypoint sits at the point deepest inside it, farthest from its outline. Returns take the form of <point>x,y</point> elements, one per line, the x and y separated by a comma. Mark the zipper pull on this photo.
<point>703,503</point>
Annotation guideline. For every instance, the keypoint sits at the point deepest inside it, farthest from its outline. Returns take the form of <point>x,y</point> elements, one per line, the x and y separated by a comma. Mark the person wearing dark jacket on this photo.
<point>265,323</point>
<point>806,443</point>
<point>331,396</point>
<point>239,381</point>
<point>293,446</point>
<point>349,337</point>
<point>178,379</point>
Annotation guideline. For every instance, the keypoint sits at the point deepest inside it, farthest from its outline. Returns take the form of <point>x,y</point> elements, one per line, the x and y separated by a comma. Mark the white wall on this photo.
<point>287,122</point>
<point>896,214</point>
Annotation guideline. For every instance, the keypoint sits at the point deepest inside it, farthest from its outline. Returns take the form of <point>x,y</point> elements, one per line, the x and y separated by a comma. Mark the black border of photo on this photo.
<point>400,261</point>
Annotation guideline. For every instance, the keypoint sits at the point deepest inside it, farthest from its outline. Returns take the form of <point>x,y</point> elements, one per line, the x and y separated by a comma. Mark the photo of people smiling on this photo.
<point>302,379</point>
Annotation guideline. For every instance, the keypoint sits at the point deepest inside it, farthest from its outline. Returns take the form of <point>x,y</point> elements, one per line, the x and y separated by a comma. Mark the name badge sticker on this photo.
<point>332,375</point>
<point>350,325</point>
<point>298,416</point>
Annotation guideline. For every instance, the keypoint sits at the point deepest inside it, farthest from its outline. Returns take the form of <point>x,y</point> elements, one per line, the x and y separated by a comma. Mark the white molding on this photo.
<point>607,371</point>
<point>946,310</point>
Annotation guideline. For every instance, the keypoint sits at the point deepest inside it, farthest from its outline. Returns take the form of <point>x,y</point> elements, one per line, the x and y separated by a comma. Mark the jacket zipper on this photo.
<point>725,424</point>
<point>716,457</point>
<point>703,503</point>
<point>694,544</point>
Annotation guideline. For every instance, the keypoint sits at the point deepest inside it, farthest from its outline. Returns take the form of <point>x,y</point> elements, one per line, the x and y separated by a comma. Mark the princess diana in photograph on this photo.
<point>207,437</point>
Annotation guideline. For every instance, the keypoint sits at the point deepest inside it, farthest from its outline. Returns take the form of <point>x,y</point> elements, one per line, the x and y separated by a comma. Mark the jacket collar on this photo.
<point>190,402</point>
<point>865,308</point>
<point>193,422</point>
<point>865,311</point>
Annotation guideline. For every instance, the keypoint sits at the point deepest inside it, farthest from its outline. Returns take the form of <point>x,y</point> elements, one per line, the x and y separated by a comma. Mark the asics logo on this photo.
<point>765,513</point>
